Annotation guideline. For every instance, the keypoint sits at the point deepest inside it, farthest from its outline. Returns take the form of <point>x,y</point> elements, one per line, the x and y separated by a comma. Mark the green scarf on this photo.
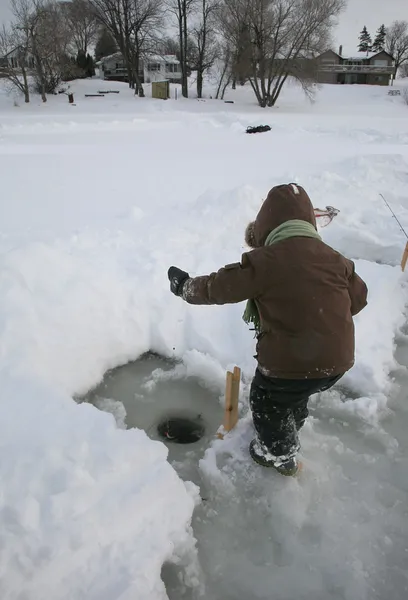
<point>289,229</point>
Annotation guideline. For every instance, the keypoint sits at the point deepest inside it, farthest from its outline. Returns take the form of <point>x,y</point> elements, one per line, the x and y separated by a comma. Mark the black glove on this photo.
<point>177,279</point>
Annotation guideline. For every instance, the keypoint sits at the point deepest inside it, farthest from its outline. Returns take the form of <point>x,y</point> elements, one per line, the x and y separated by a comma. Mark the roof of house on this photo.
<point>117,55</point>
<point>166,58</point>
<point>359,55</point>
<point>366,55</point>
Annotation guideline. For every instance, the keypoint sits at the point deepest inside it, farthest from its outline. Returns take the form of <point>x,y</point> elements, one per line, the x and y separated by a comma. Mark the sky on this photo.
<point>371,13</point>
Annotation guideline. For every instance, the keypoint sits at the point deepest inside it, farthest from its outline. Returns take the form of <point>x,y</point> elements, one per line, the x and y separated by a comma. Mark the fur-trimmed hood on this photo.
<point>283,203</point>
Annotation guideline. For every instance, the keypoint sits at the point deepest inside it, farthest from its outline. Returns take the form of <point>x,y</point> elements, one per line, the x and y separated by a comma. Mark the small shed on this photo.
<point>161,90</point>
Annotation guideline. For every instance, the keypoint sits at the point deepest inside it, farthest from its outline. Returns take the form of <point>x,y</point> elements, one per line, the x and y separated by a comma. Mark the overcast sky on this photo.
<point>371,13</point>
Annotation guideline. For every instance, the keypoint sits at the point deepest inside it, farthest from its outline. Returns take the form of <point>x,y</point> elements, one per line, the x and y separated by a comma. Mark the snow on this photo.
<point>98,199</point>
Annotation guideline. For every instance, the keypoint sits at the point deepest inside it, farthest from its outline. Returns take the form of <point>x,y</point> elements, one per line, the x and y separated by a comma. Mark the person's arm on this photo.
<point>231,284</point>
<point>357,291</point>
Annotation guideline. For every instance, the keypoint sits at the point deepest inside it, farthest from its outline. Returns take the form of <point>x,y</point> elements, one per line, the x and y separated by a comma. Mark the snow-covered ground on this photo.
<point>98,199</point>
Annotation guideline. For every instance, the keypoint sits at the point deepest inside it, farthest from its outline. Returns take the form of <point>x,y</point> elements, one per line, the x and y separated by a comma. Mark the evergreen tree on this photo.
<point>90,69</point>
<point>105,46</point>
<point>81,60</point>
<point>379,42</point>
<point>365,41</point>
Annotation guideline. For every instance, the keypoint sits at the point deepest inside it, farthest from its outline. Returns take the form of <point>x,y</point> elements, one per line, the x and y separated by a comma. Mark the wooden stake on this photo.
<point>404,258</point>
<point>231,400</point>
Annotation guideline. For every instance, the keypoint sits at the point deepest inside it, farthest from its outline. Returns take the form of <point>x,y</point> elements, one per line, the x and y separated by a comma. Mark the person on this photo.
<point>302,296</point>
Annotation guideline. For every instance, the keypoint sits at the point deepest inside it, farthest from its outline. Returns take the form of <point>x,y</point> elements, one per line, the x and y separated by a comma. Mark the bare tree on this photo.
<point>134,25</point>
<point>182,10</point>
<point>396,43</point>
<point>205,41</point>
<point>404,70</point>
<point>235,30</point>
<point>225,71</point>
<point>82,23</point>
<point>278,39</point>
<point>105,45</point>
<point>48,38</point>
<point>14,47</point>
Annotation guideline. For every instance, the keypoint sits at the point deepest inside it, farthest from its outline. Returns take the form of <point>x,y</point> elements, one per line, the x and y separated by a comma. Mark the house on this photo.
<point>371,68</point>
<point>13,59</point>
<point>152,68</point>
<point>160,67</point>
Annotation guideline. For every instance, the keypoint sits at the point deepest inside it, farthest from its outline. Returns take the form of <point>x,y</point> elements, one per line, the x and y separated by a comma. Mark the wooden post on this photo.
<point>404,258</point>
<point>231,401</point>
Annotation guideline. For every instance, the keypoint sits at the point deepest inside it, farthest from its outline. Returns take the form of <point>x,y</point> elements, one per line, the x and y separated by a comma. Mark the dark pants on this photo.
<point>279,410</point>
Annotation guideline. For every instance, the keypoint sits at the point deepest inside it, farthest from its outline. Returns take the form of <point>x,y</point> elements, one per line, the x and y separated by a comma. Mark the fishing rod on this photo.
<point>395,217</point>
<point>404,259</point>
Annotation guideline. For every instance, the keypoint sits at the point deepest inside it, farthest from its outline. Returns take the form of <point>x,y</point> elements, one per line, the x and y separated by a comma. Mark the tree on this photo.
<point>396,43</point>
<point>48,38</point>
<point>379,42</point>
<point>105,45</point>
<point>90,66</point>
<point>278,39</point>
<point>404,70</point>
<point>182,10</point>
<point>81,61</point>
<point>134,25</point>
<point>82,22</point>
<point>15,40</point>
<point>205,41</point>
<point>40,37</point>
<point>224,66</point>
<point>365,41</point>
<point>170,46</point>
<point>234,25</point>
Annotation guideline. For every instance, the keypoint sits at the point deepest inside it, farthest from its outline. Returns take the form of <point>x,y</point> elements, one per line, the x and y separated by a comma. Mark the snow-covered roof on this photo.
<point>360,55</point>
<point>116,55</point>
<point>167,58</point>
<point>161,58</point>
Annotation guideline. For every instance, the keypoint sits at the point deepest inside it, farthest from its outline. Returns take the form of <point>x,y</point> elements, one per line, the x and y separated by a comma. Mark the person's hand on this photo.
<point>177,279</point>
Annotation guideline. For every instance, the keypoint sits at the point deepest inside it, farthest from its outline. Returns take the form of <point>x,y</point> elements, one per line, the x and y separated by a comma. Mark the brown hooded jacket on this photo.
<point>306,293</point>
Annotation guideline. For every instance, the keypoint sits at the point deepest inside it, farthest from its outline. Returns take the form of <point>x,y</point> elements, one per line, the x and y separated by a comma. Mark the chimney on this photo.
<point>341,50</point>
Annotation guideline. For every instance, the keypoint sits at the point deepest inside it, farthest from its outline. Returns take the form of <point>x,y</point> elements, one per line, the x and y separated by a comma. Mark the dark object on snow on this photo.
<point>94,96</point>
<point>258,129</point>
<point>177,279</point>
<point>71,98</point>
<point>229,101</point>
<point>108,92</point>
<point>181,430</point>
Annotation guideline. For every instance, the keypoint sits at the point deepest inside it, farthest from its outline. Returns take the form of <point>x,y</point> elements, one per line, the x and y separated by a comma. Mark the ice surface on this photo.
<point>97,202</point>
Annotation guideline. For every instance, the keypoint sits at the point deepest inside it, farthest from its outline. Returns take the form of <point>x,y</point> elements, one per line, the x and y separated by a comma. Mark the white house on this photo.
<point>153,68</point>
<point>13,59</point>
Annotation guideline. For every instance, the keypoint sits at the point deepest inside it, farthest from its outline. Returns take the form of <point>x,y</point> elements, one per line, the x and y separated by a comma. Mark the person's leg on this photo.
<point>301,412</point>
<point>277,440</point>
<point>279,409</point>
<point>307,389</point>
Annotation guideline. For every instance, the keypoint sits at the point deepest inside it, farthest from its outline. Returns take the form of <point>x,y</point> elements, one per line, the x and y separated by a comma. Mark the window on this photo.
<point>153,67</point>
<point>381,63</point>
<point>172,68</point>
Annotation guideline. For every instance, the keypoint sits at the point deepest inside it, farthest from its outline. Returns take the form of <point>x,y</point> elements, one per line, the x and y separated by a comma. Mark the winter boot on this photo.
<point>289,467</point>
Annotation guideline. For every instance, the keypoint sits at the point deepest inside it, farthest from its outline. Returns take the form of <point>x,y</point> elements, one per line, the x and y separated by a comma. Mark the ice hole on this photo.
<point>154,394</point>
